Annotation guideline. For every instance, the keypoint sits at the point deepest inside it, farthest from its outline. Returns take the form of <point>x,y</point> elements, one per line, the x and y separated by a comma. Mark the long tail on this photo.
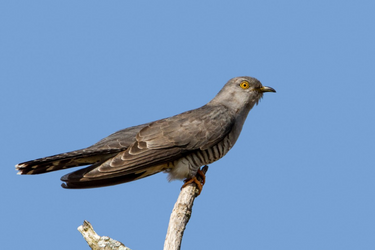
<point>62,161</point>
<point>71,181</point>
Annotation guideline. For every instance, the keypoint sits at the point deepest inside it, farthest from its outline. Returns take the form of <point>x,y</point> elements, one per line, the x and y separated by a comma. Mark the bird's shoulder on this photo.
<point>192,129</point>
<point>121,139</point>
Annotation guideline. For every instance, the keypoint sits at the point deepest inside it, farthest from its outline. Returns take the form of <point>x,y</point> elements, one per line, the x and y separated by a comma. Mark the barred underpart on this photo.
<point>187,166</point>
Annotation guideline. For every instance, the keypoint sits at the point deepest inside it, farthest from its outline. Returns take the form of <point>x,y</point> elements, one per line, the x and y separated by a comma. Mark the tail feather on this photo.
<point>62,161</point>
<point>102,182</point>
<point>78,180</point>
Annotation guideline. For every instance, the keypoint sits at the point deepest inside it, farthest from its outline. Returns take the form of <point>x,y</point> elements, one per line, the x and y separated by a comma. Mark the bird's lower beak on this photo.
<point>267,89</point>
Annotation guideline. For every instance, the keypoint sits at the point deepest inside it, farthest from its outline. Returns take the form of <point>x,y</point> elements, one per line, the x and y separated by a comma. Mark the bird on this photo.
<point>178,145</point>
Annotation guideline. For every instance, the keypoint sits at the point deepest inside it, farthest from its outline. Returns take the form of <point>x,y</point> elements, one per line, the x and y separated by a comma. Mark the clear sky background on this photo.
<point>301,175</point>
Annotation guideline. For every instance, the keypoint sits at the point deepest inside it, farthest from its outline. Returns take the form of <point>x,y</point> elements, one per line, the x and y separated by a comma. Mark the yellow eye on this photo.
<point>244,85</point>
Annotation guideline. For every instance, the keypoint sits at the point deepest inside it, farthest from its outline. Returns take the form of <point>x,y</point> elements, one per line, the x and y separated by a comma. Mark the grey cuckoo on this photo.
<point>178,145</point>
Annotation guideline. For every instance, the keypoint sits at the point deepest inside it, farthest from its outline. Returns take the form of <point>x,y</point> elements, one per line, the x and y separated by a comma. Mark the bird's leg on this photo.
<point>199,179</point>
<point>202,176</point>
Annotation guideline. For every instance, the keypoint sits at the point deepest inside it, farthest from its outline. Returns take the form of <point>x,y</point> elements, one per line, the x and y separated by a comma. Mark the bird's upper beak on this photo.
<point>266,89</point>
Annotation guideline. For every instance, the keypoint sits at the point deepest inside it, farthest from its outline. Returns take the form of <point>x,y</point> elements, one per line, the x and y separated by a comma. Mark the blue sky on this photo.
<point>301,175</point>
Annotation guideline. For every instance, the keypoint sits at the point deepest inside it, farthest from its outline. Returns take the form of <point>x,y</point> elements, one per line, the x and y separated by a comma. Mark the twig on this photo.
<point>99,243</point>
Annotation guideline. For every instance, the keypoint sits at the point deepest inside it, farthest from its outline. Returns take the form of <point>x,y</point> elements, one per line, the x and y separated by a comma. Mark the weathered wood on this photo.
<point>99,243</point>
<point>181,214</point>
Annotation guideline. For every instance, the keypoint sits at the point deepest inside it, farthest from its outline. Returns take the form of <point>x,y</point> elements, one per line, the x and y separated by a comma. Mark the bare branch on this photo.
<point>180,215</point>
<point>179,218</point>
<point>99,243</point>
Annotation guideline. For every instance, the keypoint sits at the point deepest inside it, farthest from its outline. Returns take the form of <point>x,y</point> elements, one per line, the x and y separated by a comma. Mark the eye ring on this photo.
<point>245,85</point>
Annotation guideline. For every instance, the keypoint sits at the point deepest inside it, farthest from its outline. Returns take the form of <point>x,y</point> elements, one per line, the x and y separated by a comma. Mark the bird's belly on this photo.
<point>187,166</point>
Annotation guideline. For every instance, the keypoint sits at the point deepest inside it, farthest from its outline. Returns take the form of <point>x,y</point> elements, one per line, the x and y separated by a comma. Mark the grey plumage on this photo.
<point>179,145</point>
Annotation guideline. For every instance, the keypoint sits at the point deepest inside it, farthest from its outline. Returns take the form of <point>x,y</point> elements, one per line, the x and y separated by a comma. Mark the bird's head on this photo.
<point>241,93</point>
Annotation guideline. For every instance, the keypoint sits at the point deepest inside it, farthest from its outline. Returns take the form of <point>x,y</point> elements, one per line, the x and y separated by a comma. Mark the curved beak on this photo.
<point>267,89</point>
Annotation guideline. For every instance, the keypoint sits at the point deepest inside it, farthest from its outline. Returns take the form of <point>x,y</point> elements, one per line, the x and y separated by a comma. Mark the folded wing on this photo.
<point>155,145</point>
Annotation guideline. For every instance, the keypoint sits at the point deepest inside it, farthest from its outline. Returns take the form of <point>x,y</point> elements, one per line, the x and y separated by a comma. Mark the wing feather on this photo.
<point>160,142</point>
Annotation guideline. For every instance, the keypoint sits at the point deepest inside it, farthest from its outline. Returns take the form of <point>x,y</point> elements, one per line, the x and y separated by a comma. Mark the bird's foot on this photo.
<point>199,179</point>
